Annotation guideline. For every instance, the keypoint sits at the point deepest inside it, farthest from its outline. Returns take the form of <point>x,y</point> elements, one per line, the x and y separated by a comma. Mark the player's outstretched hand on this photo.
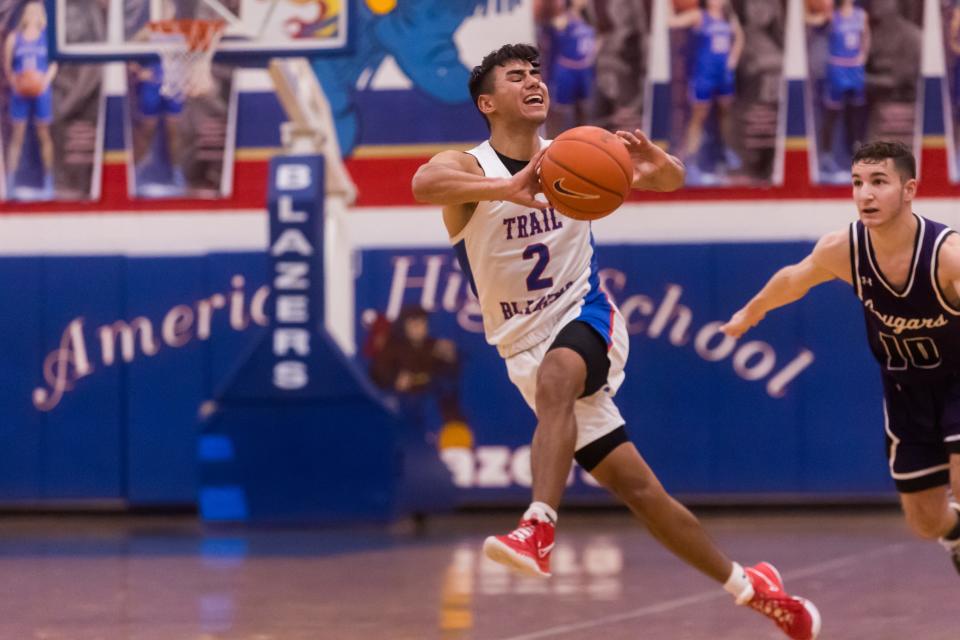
<point>524,186</point>
<point>653,168</point>
<point>740,322</point>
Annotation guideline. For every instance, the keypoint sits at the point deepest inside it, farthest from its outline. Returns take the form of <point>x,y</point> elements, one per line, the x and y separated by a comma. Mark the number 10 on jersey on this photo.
<point>920,353</point>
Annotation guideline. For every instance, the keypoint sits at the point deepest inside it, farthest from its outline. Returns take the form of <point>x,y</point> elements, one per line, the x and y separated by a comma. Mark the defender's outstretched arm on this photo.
<point>829,260</point>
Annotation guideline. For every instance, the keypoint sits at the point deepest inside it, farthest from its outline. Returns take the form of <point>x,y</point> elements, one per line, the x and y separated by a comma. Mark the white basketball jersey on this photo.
<point>527,267</point>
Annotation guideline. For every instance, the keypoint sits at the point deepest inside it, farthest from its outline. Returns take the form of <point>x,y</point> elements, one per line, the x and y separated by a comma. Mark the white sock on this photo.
<point>738,584</point>
<point>951,540</point>
<point>954,534</point>
<point>541,512</point>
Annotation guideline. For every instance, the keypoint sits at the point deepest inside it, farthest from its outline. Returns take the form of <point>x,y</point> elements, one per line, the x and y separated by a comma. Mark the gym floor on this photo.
<point>171,578</point>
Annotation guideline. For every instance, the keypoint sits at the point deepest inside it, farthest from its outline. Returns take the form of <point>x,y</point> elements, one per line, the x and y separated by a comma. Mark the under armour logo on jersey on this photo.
<point>866,281</point>
<point>558,185</point>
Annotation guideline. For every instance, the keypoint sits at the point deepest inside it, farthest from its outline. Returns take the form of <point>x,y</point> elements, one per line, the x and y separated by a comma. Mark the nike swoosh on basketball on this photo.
<point>558,185</point>
<point>542,552</point>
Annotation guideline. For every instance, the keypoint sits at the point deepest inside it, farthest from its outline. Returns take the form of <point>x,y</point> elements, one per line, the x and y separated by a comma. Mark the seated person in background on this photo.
<point>408,361</point>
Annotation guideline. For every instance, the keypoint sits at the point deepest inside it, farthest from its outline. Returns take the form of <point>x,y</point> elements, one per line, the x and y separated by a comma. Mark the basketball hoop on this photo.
<point>186,50</point>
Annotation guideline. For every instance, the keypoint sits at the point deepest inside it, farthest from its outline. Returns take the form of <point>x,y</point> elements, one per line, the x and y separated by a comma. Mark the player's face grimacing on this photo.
<point>519,92</point>
<point>880,192</point>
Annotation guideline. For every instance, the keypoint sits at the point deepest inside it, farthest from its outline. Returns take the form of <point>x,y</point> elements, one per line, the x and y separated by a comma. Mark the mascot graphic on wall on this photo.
<point>419,35</point>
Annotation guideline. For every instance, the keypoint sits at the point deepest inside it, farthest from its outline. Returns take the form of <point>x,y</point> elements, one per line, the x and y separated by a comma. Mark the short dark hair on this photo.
<point>877,152</point>
<point>480,76</point>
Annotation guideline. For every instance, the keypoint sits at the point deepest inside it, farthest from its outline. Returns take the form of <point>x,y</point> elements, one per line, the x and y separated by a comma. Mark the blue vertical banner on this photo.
<point>296,358</point>
<point>295,198</point>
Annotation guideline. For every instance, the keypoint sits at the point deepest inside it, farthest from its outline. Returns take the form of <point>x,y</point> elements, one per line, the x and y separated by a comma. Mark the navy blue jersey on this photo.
<point>914,333</point>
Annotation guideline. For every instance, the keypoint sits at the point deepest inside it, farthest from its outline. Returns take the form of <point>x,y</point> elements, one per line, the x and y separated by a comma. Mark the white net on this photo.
<point>186,49</point>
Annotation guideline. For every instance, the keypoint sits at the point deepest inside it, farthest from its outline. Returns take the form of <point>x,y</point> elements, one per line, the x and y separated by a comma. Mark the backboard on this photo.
<point>102,30</point>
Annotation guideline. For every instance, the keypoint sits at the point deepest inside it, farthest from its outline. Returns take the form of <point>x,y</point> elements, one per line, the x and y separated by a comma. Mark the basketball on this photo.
<point>29,84</point>
<point>679,6</point>
<point>586,173</point>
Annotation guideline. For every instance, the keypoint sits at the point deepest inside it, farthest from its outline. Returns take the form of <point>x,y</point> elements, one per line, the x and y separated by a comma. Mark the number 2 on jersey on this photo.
<point>542,253</point>
<point>920,352</point>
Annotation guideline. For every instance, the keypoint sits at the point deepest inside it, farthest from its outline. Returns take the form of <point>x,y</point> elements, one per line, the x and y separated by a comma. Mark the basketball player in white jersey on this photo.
<point>535,274</point>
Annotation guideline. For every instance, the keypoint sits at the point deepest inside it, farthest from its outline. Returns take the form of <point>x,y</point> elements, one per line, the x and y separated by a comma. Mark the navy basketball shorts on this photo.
<point>922,424</point>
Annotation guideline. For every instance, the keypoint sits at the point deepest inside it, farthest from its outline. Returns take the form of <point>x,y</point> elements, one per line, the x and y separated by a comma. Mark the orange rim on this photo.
<point>198,34</point>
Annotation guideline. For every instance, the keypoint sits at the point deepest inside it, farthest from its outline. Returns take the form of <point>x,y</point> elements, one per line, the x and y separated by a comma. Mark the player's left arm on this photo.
<point>739,40</point>
<point>653,168</point>
<point>686,19</point>
<point>865,44</point>
<point>948,266</point>
<point>51,74</point>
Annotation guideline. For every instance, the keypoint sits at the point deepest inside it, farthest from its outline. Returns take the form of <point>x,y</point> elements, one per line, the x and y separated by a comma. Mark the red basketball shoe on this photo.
<point>796,617</point>
<point>525,549</point>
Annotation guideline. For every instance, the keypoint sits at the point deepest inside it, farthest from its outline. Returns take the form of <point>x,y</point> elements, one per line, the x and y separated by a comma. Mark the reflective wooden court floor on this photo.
<point>162,578</point>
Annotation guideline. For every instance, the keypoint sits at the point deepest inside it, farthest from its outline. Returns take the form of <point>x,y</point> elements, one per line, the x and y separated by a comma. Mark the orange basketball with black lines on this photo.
<point>586,173</point>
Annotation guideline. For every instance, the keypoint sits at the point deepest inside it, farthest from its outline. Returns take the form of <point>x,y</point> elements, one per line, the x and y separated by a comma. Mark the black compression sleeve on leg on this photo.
<point>589,456</point>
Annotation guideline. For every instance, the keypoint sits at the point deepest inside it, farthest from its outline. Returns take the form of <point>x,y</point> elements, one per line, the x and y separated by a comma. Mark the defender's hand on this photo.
<point>740,322</point>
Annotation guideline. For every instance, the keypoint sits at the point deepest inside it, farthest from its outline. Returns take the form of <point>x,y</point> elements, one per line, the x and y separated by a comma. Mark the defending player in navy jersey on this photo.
<point>906,271</point>
<point>564,343</point>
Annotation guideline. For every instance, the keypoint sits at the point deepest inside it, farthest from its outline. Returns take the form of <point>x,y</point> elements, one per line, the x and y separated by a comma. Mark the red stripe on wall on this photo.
<point>386,182</point>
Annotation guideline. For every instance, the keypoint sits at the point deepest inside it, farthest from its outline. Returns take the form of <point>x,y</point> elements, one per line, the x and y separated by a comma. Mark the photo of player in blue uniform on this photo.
<point>157,173</point>
<point>713,50</point>
<point>571,74</point>
<point>844,88</point>
<point>595,61</point>
<point>29,74</point>
<point>178,125</point>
